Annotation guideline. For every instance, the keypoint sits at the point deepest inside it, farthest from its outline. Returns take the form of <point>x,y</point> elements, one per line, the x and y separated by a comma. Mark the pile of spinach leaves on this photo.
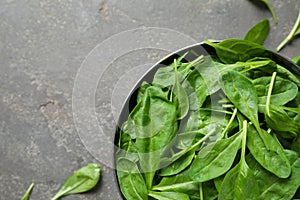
<point>225,126</point>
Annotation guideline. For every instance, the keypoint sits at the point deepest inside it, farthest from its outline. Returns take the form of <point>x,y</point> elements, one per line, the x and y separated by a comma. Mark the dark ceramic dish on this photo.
<point>199,49</point>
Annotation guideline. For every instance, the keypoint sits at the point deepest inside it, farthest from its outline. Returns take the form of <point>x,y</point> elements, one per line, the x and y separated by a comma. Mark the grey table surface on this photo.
<point>42,48</point>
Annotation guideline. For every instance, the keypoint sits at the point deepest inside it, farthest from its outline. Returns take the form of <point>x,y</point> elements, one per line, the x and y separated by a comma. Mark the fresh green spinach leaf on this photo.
<point>215,159</point>
<point>82,180</point>
<point>234,50</point>
<point>181,95</point>
<point>278,120</point>
<point>274,159</point>
<point>179,165</point>
<point>131,181</point>
<point>239,182</point>
<point>273,187</point>
<point>283,90</point>
<point>242,93</point>
<point>259,32</point>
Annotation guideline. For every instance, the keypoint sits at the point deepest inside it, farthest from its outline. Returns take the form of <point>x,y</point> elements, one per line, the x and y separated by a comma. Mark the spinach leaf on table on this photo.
<point>131,181</point>
<point>294,32</point>
<point>80,181</point>
<point>259,32</point>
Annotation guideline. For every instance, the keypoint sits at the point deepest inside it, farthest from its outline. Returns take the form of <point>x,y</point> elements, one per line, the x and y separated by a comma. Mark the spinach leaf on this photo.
<point>263,64</point>
<point>297,60</point>
<point>199,123</point>
<point>155,122</point>
<point>212,133</point>
<point>215,159</point>
<point>273,187</point>
<point>274,159</point>
<point>259,32</point>
<point>207,69</point>
<point>27,193</point>
<point>233,50</point>
<point>178,183</point>
<point>218,182</point>
<point>294,32</point>
<point>196,89</point>
<point>266,2</point>
<point>164,76</point>
<point>285,73</point>
<point>278,120</point>
<point>80,181</point>
<point>131,181</point>
<point>209,191</point>
<point>242,93</point>
<point>239,182</point>
<point>179,165</point>
<point>169,195</point>
<point>296,144</point>
<point>181,95</point>
<point>126,144</point>
<point>283,90</point>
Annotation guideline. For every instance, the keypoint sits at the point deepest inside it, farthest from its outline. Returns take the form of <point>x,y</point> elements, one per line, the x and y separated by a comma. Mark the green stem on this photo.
<point>268,101</point>
<point>216,110</point>
<point>291,34</point>
<point>294,110</point>
<point>26,195</point>
<point>229,123</point>
<point>181,153</point>
<point>272,11</point>
<point>201,191</point>
<point>243,152</point>
<point>228,106</point>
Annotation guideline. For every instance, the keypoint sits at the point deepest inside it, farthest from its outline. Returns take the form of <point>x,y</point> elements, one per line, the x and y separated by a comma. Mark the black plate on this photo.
<point>200,49</point>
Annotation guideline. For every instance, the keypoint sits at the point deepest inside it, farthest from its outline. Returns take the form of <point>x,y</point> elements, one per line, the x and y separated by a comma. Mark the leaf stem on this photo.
<point>272,11</point>
<point>181,153</point>
<point>68,189</point>
<point>201,191</point>
<point>26,195</point>
<point>291,34</point>
<point>229,123</point>
<point>244,140</point>
<point>268,101</point>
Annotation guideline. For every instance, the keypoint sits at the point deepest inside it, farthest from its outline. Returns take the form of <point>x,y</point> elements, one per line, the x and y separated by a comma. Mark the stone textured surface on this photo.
<point>42,45</point>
